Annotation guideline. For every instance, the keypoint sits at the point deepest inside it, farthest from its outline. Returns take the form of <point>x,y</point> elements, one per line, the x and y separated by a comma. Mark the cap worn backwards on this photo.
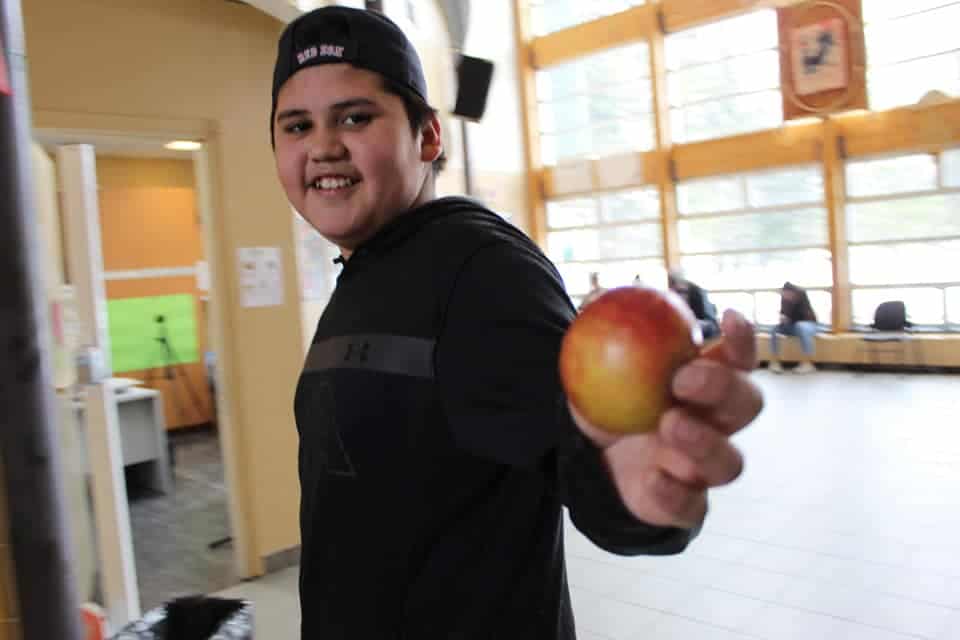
<point>359,37</point>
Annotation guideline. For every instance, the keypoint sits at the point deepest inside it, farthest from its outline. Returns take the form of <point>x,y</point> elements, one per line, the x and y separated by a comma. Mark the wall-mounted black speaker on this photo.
<point>374,5</point>
<point>473,85</point>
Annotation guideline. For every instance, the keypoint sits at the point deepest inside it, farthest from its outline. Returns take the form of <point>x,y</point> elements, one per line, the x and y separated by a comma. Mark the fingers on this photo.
<point>648,491</point>
<point>727,397</point>
<point>695,453</point>
<point>740,343</point>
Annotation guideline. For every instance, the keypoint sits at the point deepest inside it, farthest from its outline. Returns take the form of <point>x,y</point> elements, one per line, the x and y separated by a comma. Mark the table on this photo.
<point>143,435</point>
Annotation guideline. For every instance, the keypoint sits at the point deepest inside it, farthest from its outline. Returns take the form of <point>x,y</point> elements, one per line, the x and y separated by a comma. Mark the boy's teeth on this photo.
<point>332,183</point>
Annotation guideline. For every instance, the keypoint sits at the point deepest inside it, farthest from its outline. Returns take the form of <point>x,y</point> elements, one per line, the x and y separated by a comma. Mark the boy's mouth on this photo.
<point>332,183</point>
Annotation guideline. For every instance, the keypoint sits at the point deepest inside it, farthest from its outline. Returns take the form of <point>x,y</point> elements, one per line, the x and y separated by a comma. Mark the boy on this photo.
<point>436,446</point>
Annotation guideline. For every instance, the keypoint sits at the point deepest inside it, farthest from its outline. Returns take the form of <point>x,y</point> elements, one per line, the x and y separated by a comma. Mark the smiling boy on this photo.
<point>436,446</point>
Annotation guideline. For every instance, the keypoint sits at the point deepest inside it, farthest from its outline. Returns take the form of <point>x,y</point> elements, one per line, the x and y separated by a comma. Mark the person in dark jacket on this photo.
<point>797,318</point>
<point>696,298</point>
<point>437,448</point>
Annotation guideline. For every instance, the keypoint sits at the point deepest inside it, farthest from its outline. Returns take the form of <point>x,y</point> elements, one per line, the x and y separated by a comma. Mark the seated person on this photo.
<point>797,318</point>
<point>696,299</point>
<point>595,290</point>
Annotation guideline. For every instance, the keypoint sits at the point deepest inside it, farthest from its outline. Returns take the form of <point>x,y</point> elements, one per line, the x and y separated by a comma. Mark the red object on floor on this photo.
<point>4,76</point>
<point>94,622</point>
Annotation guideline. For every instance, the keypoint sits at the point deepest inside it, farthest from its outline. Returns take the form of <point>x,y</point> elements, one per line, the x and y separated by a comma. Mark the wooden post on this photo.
<point>526,78</point>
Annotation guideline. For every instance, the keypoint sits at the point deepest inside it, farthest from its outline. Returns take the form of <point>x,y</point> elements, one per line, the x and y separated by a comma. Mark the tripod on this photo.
<point>172,366</point>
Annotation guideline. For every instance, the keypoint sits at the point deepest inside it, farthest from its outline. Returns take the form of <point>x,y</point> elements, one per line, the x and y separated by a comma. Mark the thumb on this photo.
<point>738,345</point>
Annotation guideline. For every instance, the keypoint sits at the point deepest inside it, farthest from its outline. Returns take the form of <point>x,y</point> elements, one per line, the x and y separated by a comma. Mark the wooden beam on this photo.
<point>527,89</point>
<point>835,187</point>
<point>685,14</point>
<point>789,145</point>
<point>666,180</point>
<point>921,128</point>
<point>632,25</point>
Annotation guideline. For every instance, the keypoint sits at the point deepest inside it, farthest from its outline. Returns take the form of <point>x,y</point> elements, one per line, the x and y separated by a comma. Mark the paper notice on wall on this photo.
<point>261,276</point>
<point>623,170</point>
<point>203,275</point>
<point>4,75</point>
<point>573,177</point>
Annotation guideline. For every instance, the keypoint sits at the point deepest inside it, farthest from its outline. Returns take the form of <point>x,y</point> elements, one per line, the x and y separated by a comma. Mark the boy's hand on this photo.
<point>663,476</point>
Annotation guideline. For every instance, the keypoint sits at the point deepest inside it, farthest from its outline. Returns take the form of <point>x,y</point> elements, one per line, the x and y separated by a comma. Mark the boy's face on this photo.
<point>345,154</point>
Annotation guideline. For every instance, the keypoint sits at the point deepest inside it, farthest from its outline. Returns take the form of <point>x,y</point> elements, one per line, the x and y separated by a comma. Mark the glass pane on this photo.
<point>572,144</point>
<point>885,176</point>
<point>569,113</point>
<point>650,273</point>
<point>618,65</point>
<point>907,82</point>
<point>922,34</point>
<point>953,305</point>
<point>874,10</point>
<point>566,246</point>
<point>768,307</point>
<point>791,186</point>
<point>710,195</point>
<point>808,268</point>
<point>728,117</point>
<point>723,39</point>
<point>745,74</point>
<point>767,230</point>
<point>571,213</point>
<point>641,204</point>
<point>634,134</point>
<point>561,81</point>
<point>950,168</point>
<point>634,241</point>
<point>916,263</point>
<point>924,217</point>
<point>822,303</point>
<point>742,302</point>
<point>924,305</point>
<point>576,277</point>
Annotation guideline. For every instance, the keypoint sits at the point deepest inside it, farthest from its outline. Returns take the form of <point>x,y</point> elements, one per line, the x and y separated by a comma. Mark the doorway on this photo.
<point>157,246</point>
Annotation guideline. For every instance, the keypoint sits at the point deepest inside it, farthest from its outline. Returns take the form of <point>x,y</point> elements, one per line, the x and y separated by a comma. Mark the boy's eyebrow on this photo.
<point>337,106</point>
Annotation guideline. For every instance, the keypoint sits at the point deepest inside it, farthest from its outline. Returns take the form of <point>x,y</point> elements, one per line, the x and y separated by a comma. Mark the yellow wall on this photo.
<point>148,219</point>
<point>140,66</point>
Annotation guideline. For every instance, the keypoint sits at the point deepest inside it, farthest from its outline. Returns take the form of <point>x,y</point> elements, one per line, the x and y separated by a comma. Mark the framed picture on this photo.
<point>818,54</point>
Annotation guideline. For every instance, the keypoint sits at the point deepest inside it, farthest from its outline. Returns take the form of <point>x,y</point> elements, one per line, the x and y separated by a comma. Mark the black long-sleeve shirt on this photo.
<point>436,448</point>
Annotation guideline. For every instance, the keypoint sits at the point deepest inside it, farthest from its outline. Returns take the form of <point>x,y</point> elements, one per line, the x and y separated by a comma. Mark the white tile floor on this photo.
<point>844,526</point>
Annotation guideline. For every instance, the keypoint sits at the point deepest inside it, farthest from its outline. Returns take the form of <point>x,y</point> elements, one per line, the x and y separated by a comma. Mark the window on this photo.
<point>547,16</point>
<point>903,227</point>
<point>618,235</point>
<point>723,79</point>
<point>596,106</point>
<point>912,49</point>
<point>743,235</point>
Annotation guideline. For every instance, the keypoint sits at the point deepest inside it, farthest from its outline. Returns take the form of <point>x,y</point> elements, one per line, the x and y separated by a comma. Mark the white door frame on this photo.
<point>206,197</point>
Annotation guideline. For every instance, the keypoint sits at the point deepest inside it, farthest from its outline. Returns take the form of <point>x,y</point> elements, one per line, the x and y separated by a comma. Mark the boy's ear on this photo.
<point>431,142</point>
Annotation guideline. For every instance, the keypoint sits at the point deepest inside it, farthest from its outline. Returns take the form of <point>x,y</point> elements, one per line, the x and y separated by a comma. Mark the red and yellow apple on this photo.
<point>619,357</point>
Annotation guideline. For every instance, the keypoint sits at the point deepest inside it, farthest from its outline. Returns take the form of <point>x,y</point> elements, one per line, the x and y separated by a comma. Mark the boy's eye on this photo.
<point>298,127</point>
<point>356,119</point>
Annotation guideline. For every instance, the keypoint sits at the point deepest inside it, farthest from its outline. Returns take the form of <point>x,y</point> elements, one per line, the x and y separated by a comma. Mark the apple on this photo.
<point>619,356</point>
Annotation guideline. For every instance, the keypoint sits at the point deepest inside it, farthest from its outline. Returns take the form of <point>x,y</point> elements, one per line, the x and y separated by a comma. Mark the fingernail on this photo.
<point>689,380</point>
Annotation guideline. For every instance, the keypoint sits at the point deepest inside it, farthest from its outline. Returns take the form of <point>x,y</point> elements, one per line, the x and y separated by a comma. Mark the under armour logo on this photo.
<point>357,352</point>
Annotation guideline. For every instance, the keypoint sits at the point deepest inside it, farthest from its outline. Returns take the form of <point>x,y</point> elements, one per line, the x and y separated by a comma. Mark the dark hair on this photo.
<point>418,113</point>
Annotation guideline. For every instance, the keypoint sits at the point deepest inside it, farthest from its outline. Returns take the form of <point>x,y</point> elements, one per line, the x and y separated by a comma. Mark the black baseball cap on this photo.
<point>360,37</point>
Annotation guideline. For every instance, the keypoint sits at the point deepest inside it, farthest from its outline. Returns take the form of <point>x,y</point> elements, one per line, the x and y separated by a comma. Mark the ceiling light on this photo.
<point>183,145</point>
